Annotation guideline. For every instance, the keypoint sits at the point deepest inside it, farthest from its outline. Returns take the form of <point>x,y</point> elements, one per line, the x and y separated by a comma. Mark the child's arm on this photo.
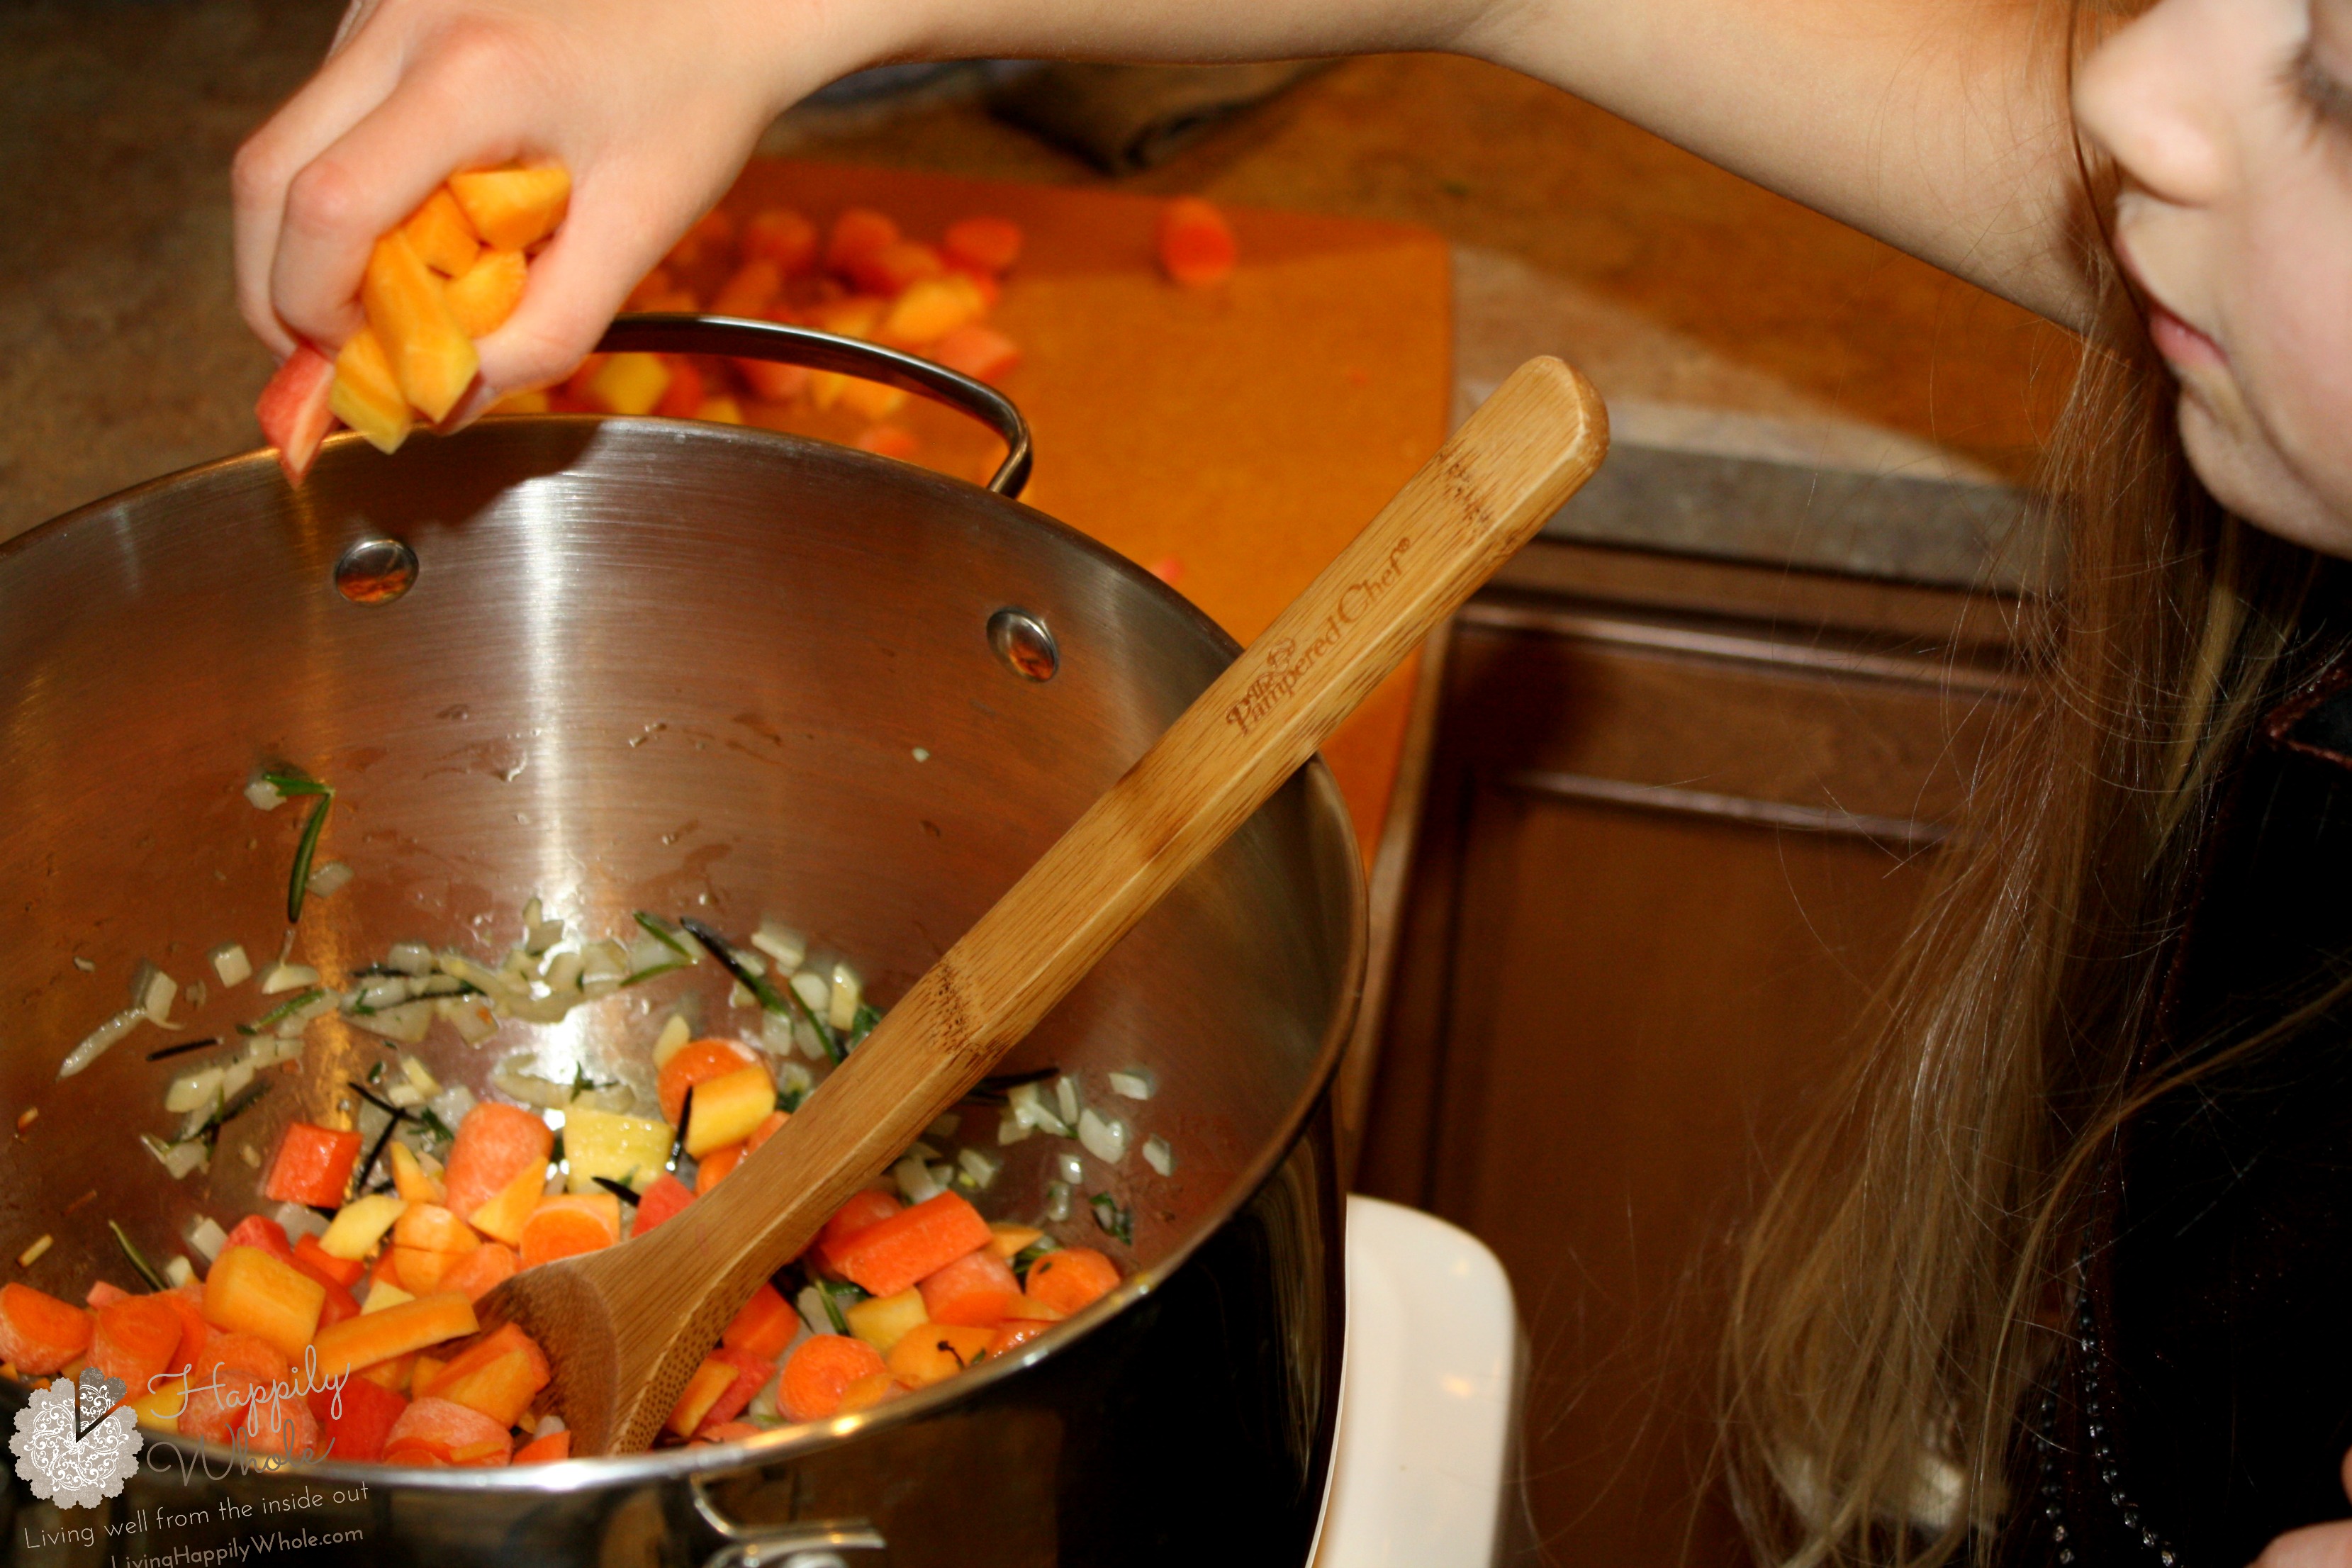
<point>1936,124</point>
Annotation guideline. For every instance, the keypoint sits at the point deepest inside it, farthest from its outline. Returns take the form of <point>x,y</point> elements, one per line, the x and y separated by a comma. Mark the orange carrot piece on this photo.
<point>483,296</point>
<point>765,1130</point>
<point>665,1197</point>
<point>781,237</point>
<point>714,1165</point>
<point>696,1061</point>
<point>255,1292</point>
<point>444,238</point>
<point>280,1425</point>
<point>379,1336</point>
<point>1014,1333</point>
<point>215,1403</point>
<point>864,1209</point>
<point>507,1339</point>
<point>934,1352</point>
<point>444,1432</point>
<point>134,1338</point>
<point>976,1292</point>
<point>324,1266</point>
<point>981,352</point>
<point>750,292</point>
<point>432,361</point>
<point>569,1223</point>
<point>1072,1278</point>
<point>725,1432</point>
<point>857,234</point>
<point>512,208</point>
<point>765,1325</point>
<point>313,1165</point>
<point>1196,244</point>
<point>480,1271</point>
<point>886,1258</point>
<point>545,1451</point>
<point>988,243</point>
<point>820,1370</point>
<point>493,1143</point>
<point>499,1377</point>
<point>357,1416</point>
<point>772,381</point>
<point>891,269</point>
<point>99,1293</point>
<point>682,398</point>
<point>430,1227</point>
<point>258,1230</point>
<point>752,1374</point>
<point>188,1302</point>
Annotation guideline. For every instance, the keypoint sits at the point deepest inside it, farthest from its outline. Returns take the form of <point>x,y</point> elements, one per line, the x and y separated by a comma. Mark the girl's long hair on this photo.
<point>1900,1287</point>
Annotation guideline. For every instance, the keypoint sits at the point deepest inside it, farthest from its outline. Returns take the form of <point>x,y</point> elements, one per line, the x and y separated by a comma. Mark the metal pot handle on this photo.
<point>801,1543</point>
<point>739,338</point>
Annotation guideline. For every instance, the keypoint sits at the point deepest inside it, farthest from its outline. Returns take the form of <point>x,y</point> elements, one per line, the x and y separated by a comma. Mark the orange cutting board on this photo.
<point>1235,436</point>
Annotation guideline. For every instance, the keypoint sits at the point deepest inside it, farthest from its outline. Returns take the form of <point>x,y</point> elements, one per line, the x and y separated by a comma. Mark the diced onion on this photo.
<point>847,991</point>
<point>1065,1094</point>
<point>282,976</point>
<point>231,965</point>
<point>179,1271</point>
<point>414,958</point>
<point>469,1015</point>
<point>408,1023</point>
<point>1029,1107</point>
<point>264,795</point>
<point>783,944</point>
<point>813,989</point>
<point>330,879</point>
<point>1135,1083</point>
<point>914,1179</point>
<point>1010,1129</point>
<point>1105,1137</point>
<point>187,1093</point>
<point>548,1426</point>
<point>207,1238</point>
<point>94,1044</point>
<point>378,992</point>
<point>1057,1202</point>
<point>563,971</point>
<point>152,993</point>
<point>32,1254</point>
<point>980,1165</point>
<point>603,960</point>
<point>740,995</point>
<point>298,1220</point>
<point>810,1305</point>
<point>675,1033</point>
<point>1069,1168</point>
<point>417,1073</point>
<point>182,1158</point>
<point>1160,1156</point>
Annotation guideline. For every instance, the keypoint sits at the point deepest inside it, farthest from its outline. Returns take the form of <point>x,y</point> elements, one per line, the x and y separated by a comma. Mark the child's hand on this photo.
<point>653,105</point>
<point>2314,1545</point>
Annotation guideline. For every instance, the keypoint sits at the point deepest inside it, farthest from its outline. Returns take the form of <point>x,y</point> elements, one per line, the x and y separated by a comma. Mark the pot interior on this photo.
<point>643,666</point>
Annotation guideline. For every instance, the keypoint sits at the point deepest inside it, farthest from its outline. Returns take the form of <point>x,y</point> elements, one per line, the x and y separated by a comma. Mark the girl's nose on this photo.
<point>2147,97</point>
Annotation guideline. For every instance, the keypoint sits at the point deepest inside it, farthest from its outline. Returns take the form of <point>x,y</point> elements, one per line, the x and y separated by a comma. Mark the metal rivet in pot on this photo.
<point>1024,644</point>
<point>376,572</point>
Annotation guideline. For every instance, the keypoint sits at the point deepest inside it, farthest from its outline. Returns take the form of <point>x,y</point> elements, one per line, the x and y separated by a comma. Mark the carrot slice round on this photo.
<point>821,1370</point>
<point>1072,1278</point>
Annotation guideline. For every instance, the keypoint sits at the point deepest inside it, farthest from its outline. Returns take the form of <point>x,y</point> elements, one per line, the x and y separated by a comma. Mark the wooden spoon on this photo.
<point>626,1327</point>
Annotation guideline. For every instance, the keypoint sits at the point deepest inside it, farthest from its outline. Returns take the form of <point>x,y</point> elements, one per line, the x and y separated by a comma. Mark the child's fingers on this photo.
<point>354,81</point>
<point>461,108</point>
<point>619,224</point>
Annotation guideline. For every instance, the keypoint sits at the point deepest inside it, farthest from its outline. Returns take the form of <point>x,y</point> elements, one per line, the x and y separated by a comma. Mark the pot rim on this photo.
<point>704,1459</point>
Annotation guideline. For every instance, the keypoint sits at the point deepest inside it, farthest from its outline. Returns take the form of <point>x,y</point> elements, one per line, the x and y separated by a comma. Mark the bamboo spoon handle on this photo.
<point>1482,497</point>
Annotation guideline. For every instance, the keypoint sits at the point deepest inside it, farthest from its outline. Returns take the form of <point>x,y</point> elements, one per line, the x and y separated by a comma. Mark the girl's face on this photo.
<point>2231,121</point>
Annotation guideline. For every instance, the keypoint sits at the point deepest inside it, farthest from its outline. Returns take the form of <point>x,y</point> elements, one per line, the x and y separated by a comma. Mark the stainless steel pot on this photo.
<point>699,670</point>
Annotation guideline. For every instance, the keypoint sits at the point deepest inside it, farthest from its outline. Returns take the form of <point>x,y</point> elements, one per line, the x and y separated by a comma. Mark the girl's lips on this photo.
<point>2181,343</point>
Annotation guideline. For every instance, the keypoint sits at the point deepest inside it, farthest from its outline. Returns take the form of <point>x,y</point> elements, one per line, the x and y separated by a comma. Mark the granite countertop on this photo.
<point>1834,405</point>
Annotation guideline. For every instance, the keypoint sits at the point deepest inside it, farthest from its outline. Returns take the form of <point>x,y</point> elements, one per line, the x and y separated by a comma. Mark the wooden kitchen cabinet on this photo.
<point>1676,814</point>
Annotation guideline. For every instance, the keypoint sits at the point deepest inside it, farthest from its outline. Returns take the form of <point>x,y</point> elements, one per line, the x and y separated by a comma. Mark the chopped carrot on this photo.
<point>512,208</point>
<point>665,1197</point>
<point>885,1258</point>
<point>750,292</point>
<point>482,298</point>
<point>974,1291</point>
<point>313,1165</point>
<point>545,1451</point>
<point>710,1380</point>
<point>293,409</point>
<point>569,1223</point>
<point>725,1432</point>
<point>255,1231</point>
<point>481,1270</point>
<point>325,1266</point>
<point>397,1329</point>
<point>255,1292</point>
<point>443,1432</point>
<point>820,1370</point>
<point>767,1129</point>
<point>930,309</point>
<point>891,269</point>
<point>242,1353</point>
<point>356,1418</point>
<point>682,398</point>
<point>715,1166</point>
<point>864,1209</point>
<point>500,1374</point>
<point>696,1061</point>
<point>410,1179</point>
<point>1196,244</point>
<point>752,1374</point>
<point>429,1227</point>
<point>442,235</point>
<point>880,1388</point>
<point>775,382</point>
<point>857,234</point>
<point>99,1293</point>
<point>1072,1278</point>
<point>281,1425</point>
<point>765,1325</point>
<point>188,1302</point>
<point>493,1143</point>
<point>781,237</point>
<point>215,1403</point>
<point>502,1217</point>
<point>988,243</point>
<point>338,1305</point>
<point>982,353</point>
<point>135,1339</point>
